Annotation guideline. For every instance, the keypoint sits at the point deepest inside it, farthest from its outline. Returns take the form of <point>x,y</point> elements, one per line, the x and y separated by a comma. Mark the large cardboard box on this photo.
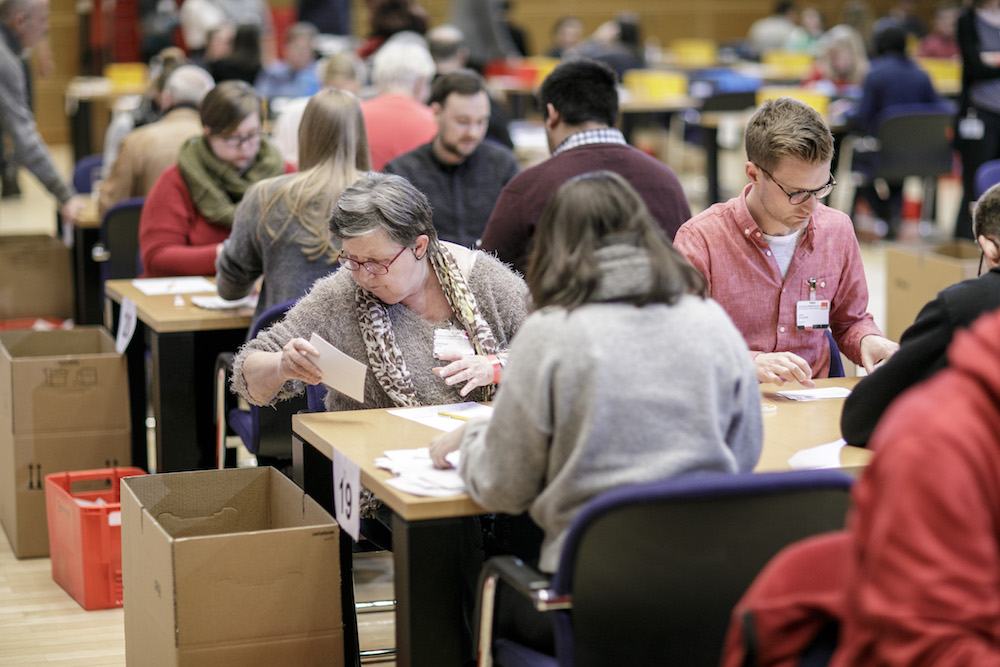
<point>229,567</point>
<point>63,406</point>
<point>915,275</point>
<point>36,278</point>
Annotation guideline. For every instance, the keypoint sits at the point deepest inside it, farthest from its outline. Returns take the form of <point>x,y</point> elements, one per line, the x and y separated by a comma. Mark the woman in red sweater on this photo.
<point>189,211</point>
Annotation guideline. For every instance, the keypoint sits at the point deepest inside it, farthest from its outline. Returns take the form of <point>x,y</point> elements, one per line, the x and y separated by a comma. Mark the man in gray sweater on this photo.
<point>461,174</point>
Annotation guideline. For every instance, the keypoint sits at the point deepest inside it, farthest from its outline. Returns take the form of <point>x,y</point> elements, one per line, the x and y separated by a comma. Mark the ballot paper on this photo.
<point>821,456</point>
<point>218,303</point>
<point>183,285</point>
<point>444,417</point>
<point>340,371</point>
<point>416,474</point>
<point>815,394</point>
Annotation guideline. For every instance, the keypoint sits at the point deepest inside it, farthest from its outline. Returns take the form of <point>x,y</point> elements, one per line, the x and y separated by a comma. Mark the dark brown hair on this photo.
<point>585,214</point>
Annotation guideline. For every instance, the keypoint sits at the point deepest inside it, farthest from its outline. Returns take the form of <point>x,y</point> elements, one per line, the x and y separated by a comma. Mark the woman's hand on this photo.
<point>474,370</point>
<point>295,362</point>
<point>445,444</point>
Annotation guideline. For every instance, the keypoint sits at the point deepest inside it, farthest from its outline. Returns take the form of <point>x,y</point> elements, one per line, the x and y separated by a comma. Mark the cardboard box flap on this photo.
<point>36,278</point>
<point>83,340</point>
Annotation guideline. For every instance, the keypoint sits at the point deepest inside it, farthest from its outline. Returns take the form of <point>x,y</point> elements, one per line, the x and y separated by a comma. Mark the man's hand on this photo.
<point>781,367</point>
<point>875,350</point>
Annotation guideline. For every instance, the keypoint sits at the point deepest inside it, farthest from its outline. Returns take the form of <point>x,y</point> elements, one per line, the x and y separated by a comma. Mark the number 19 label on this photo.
<point>346,494</point>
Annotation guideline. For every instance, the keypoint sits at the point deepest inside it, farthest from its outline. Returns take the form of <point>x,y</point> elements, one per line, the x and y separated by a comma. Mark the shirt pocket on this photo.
<point>826,287</point>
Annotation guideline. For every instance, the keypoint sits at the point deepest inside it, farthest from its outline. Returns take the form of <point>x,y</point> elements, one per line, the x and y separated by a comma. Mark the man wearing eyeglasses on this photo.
<point>784,266</point>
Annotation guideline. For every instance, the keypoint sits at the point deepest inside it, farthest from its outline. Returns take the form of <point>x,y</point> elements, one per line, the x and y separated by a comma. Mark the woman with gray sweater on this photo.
<point>280,227</point>
<point>625,373</point>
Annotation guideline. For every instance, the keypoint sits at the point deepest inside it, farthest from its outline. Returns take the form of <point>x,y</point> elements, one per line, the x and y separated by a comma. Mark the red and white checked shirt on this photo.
<point>728,247</point>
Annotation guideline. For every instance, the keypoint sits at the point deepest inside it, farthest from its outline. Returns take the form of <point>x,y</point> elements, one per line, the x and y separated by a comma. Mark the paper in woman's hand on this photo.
<point>340,371</point>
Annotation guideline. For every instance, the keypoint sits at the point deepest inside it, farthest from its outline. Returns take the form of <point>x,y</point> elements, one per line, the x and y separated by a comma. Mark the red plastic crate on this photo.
<point>85,539</point>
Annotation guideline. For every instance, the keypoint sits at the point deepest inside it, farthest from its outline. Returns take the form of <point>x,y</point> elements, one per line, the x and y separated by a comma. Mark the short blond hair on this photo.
<point>786,127</point>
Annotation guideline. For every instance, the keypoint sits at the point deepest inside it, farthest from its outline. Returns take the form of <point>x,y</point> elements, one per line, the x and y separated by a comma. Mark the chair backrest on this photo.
<point>86,172</point>
<point>987,175</point>
<point>655,569</point>
<point>316,397</point>
<point>915,140</point>
<point>836,363</point>
<point>120,236</point>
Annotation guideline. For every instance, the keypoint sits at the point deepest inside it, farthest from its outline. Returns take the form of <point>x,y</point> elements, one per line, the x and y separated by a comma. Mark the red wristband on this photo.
<point>497,367</point>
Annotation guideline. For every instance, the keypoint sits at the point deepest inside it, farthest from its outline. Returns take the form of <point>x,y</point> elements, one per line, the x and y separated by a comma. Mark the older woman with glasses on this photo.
<point>189,212</point>
<point>403,290</point>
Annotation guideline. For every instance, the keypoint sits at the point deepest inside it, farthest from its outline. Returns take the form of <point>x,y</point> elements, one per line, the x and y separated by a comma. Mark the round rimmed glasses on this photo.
<point>373,267</point>
<point>802,196</point>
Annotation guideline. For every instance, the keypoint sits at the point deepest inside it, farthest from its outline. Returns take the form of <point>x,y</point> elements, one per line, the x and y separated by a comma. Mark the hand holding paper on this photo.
<point>340,371</point>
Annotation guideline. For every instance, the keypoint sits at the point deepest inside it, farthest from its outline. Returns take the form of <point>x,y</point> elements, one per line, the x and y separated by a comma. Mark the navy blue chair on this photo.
<point>118,250</point>
<point>987,175</point>
<point>650,573</point>
<point>86,172</point>
<point>265,432</point>
<point>836,363</point>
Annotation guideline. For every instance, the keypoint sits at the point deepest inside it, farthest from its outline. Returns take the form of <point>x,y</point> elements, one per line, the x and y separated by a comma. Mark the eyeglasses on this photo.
<point>376,268</point>
<point>802,196</point>
<point>237,141</point>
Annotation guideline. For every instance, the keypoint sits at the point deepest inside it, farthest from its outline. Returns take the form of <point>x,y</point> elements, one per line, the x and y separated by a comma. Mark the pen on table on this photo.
<point>453,416</point>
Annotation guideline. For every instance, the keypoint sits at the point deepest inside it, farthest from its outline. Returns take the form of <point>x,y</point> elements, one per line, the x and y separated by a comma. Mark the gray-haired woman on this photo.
<point>401,285</point>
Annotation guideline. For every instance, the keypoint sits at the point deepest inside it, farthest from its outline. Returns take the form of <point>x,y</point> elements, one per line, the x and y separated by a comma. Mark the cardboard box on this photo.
<point>63,406</point>
<point>915,275</point>
<point>229,567</point>
<point>36,278</point>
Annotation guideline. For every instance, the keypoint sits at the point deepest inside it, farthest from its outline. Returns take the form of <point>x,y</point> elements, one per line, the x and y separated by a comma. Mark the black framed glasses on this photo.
<point>237,141</point>
<point>375,268</point>
<point>802,196</point>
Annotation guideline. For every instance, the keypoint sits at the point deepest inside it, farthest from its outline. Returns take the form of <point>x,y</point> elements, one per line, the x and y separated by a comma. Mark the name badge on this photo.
<point>971,128</point>
<point>452,342</point>
<point>811,315</point>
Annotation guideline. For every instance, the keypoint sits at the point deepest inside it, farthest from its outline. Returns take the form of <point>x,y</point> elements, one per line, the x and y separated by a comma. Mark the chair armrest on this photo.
<point>520,578</point>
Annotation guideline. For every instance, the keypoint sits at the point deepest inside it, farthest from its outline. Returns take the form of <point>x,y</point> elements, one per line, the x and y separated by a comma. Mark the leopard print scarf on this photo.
<point>384,356</point>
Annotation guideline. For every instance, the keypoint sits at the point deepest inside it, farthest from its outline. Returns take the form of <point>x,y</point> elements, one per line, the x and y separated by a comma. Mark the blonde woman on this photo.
<point>281,229</point>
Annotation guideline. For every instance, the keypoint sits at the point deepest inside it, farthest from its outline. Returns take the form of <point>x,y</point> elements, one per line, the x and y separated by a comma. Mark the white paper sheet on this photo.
<point>821,456</point>
<point>340,372</point>
<point>218,303</point>
<point>182,285</point>
<point>455,414</point>
<point>416,473</point>
<point>815,394</point>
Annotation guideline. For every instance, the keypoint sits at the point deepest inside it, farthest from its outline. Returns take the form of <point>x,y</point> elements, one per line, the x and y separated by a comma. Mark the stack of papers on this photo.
<point>218,303</point>
<point>183,285</point>
<point>417,475</point>
<point>815,394</point>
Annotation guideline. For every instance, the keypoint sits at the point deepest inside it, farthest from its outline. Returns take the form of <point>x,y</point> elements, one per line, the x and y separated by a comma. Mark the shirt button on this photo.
<point>746,231</point>
<point>767,252</point>
<point>782,290</point>
<point>823,284</point>
<point>758,234</point>
<point>781,329</point>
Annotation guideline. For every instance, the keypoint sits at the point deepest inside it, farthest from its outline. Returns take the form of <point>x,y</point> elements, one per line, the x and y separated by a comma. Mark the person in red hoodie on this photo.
<point>189,211</point>
<point>915,577</point>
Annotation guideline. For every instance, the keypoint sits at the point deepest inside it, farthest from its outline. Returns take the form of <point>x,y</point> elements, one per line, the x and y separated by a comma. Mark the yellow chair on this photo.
<point>945,73</point>
<point>788,64</point>
<point>693,53</point>
<point>127,76</point>
<point>648,84</point>
<point>817,100</point>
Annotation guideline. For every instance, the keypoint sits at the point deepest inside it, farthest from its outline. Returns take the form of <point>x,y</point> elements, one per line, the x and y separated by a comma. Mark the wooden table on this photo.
<point>185,341</point>
<point>425,530</point>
